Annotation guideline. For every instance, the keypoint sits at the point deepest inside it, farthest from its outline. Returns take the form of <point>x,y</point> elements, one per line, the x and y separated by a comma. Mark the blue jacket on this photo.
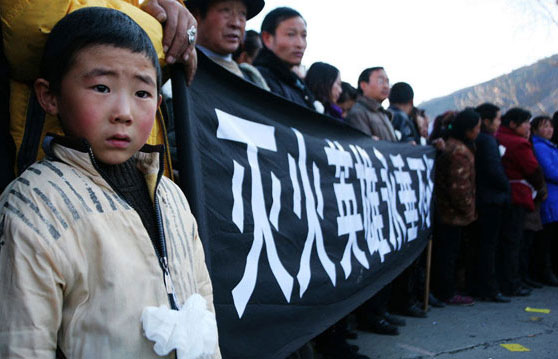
<point>547,155</point>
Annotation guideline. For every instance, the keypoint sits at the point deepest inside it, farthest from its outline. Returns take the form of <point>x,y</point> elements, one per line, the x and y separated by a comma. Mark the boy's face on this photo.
<point>109,97</point>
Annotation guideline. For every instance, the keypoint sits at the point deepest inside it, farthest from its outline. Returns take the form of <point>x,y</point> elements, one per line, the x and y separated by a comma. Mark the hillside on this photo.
<point>533,87</point>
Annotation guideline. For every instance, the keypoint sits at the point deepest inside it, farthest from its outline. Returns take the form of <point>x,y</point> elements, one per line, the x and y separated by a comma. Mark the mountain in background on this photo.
<point>533,87</point>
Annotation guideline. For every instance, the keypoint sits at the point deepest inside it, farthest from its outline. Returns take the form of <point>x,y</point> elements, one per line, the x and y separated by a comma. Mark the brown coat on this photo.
<point>455,184</point>
<point>368,116</point>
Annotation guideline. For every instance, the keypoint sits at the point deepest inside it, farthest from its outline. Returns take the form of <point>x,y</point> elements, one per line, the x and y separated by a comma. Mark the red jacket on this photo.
<point>521,167</point>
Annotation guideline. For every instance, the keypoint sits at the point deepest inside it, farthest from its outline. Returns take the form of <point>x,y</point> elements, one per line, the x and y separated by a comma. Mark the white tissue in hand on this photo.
<point>192,330</point>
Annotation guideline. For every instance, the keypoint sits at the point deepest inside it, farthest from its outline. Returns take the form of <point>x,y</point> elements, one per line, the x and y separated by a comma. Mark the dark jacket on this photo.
<point>493,186</point>
<point>455,184</point>
<point>521,167</point>
<point>281,80</point>
<point>402,123</point>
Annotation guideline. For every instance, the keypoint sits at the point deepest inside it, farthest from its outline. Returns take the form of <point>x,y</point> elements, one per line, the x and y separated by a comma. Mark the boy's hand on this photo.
<point>177,20</point>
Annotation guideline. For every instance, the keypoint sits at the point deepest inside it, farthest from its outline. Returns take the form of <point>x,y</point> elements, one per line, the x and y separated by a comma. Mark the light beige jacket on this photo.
<point>77,266</point>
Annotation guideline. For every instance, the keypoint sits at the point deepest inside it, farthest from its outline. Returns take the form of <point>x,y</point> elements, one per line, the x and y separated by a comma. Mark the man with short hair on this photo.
<point>284,37</point>
<point>368,115</point>
<point>401,104</point>
<point>221,26</point>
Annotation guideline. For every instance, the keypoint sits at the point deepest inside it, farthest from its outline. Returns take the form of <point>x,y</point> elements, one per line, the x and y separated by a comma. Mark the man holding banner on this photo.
<point>303,219</point>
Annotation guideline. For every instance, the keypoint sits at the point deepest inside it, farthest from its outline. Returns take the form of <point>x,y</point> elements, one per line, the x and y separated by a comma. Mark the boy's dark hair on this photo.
<point>464,121</point>
<point>487,111</point>
<point>320,77</point>
<point>277,16</point>
<point>516,115</point>
<point>401,93</point>
<point>348,93</point>
<point>365,76</point>
<point>252,45</point>
<point>87,27</point>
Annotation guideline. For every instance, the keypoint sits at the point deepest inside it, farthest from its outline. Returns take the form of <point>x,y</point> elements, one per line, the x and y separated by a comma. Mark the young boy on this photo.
<point>96,245</point>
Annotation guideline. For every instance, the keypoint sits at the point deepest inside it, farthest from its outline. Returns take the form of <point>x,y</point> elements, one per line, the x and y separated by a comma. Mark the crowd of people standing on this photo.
<point>496,176</point>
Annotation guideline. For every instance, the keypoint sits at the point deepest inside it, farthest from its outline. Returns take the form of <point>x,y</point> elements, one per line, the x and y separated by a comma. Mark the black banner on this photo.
<point>302,218</point>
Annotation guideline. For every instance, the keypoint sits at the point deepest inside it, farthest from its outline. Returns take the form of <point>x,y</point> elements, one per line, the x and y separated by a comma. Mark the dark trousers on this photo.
<point>446,249</point>
<point>546,250</point>
<point>507,266</point>
<point>374,308</point>
<point>526,253</point>
<point>488,229</point>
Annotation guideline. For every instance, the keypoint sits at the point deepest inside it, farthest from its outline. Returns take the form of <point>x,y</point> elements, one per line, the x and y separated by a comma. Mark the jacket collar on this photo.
<point>77,152</point>
<point>266,58</point>
<point>538,139</point>
<point>370,103</point>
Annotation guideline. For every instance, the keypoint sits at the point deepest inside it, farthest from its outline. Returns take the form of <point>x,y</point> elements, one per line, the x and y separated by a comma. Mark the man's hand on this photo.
<point>176,20</point>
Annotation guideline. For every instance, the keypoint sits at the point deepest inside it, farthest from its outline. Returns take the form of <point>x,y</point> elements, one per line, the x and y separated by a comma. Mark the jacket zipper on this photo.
<point>162,257</point>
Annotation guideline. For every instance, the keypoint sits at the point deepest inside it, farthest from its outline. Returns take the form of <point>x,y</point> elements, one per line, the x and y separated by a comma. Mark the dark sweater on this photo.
<point>127,180</point>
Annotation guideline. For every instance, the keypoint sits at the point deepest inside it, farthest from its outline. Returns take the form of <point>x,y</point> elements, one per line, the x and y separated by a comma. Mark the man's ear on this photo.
<point>46,98</point>
<point>267,39</point>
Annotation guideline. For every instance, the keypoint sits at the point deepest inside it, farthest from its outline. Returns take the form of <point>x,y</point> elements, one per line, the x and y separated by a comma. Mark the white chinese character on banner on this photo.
<point>314,207</point>
<point>407,196</point>
<point>397,229</point>
<point>255,136</point>
<point>349,220</point>
<point>372,218</point>
<point>423,167</point>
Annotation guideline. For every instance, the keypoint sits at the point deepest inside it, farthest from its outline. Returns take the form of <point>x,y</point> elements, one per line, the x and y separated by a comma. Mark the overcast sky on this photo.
<point>437,46</point>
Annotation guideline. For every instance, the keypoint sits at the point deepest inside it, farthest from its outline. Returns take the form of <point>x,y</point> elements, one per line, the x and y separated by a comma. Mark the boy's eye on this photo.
<point>101,88</point>
<point>143,94</point>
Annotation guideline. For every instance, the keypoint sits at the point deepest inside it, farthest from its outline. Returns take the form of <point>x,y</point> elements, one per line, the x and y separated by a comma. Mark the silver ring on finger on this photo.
<point>191,32</point>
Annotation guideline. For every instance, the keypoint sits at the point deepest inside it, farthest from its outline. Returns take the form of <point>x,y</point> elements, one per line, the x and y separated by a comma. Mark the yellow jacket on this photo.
<point>25,27</point>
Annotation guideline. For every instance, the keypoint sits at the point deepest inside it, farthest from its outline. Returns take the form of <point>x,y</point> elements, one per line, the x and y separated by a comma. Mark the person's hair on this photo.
<point>464,121</point>
<point>487,111</point>
<point>251,45</point>
<point>320,78</point>
<point>401,93</point>
<point>414,115</point>
<point>277,16</point>
<point>348,92</point>
<point>365,76</point>
<point>516,115</point>
<point>440,127</point>
<point>555,125</point>
<point>88,27</point>
<point>538,121</point>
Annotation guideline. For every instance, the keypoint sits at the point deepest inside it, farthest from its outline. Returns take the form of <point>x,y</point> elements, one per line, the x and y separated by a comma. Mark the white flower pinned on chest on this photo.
<point>191,331</point>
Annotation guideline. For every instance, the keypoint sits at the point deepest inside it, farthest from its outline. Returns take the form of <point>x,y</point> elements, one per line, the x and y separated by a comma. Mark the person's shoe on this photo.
<point>413,311</point>
<point>533,284</point>
<point>392,319</point>
<point>435,302</point>
<point>550,279</point>
<point>497,298</point>
<point>380,327</point>
<point>519,292</point>
<point>460,300</point>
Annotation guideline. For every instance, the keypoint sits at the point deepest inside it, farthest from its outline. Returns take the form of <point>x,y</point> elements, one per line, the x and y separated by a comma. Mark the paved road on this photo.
<point>474,332</point>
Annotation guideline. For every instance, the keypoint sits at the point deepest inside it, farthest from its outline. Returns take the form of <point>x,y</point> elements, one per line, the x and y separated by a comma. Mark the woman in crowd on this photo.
<point>547,155</point>
<point>455,198</point>
<point>526,178</point>
<point>347,98</point>
<point>324,80</point>
<point>493,195</point>
<point>420,120</point>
